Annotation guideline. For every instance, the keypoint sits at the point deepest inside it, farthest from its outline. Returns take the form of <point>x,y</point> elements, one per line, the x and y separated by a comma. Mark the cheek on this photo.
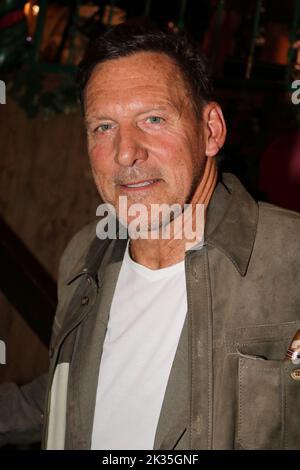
<point>175,156</point>
<point>100,162</point>
<point>168,149</point>
<point>103,172</point>
<point>103,176</point>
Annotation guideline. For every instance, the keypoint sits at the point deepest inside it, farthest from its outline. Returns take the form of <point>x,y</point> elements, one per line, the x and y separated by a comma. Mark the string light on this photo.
<point>35,10</point>
<point>31,9</point>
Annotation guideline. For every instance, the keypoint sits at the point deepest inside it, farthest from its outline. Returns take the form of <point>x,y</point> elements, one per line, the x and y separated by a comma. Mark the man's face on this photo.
<point>144,139</point>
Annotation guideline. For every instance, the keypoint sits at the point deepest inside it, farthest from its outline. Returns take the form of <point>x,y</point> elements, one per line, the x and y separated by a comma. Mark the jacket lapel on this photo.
<point>173,417</point>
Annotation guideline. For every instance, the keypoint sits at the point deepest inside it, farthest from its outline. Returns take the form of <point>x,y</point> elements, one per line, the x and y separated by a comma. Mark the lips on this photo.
<point>140,184</point>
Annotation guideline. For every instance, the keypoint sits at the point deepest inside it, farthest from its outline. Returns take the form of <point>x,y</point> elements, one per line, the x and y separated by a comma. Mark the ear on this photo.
<point>214,128</point>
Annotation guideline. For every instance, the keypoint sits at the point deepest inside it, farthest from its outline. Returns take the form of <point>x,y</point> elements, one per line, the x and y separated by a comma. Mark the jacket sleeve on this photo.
<point>21,408</point>
<point>21,411</point>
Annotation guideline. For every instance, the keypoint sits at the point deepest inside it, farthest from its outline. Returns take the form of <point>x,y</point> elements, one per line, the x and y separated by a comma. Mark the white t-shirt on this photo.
<point>146,318</point>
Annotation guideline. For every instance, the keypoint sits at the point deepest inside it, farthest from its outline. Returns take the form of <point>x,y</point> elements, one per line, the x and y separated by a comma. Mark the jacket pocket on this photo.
<point>268,404</point>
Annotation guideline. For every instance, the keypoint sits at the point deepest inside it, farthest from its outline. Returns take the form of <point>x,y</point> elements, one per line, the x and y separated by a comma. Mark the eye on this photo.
<point>103,128</point>
<point>154,119</point>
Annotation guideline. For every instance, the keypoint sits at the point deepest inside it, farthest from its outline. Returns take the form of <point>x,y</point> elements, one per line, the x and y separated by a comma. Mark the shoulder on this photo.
<point>279,228</point>
<point>281,220</point>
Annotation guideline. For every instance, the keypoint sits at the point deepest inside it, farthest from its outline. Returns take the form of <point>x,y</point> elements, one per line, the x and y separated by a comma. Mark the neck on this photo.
<point>160,253</point>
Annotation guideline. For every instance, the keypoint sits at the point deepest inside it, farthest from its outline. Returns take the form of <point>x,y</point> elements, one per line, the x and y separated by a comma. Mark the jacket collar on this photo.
<point>230,226</point>
<point>231,221</point>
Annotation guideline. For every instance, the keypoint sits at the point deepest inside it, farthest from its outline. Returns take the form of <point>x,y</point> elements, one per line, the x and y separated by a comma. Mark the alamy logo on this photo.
<point>2,352</point>
<point>2,92</point>
<point>296,94</point>
<point>157,221</point>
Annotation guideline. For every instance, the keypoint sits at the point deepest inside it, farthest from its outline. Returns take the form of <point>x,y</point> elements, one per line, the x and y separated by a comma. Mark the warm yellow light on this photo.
<point>27,8</point>
<point>35,10</point>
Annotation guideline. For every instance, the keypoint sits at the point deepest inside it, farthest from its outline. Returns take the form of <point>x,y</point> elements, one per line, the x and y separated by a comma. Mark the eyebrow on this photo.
<point>154,108</point>
<point>165,107</point>
<point>95,118</point>
<point>162,107</point>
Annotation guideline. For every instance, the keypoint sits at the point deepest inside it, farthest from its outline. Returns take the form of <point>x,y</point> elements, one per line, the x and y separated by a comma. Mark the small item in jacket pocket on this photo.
<point>295,374</point>
<point>293,352</point>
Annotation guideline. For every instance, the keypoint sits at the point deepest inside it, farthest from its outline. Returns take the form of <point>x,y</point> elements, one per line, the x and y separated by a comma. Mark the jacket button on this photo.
<point>85,300</point>
<point>295,374</point>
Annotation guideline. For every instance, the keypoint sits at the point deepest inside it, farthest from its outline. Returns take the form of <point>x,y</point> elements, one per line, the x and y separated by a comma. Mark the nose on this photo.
<point>130,149</point>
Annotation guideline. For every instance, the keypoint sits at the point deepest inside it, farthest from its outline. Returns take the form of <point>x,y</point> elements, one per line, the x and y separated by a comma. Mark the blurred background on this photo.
<point>46,189</point>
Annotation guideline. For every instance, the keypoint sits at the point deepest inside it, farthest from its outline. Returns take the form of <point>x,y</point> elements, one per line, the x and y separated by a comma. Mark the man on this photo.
<point>155,345</point>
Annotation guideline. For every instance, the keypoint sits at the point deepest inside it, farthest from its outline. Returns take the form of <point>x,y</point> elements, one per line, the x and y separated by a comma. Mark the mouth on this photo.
<point>139,185</point>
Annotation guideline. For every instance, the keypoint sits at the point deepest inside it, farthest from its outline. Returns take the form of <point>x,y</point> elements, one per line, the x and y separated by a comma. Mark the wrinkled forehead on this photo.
<point>138,73</point>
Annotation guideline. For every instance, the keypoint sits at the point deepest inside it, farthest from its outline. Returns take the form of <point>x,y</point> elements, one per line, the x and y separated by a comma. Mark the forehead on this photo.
<point>144,75</point>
